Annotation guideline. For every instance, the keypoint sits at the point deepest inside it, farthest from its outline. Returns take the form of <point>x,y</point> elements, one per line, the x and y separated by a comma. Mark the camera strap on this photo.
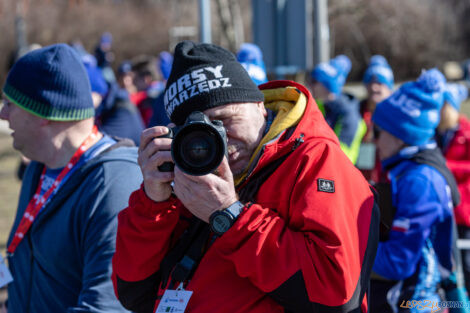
<point>182,260</point>
<point>184,269</point>
<point>184,257</point>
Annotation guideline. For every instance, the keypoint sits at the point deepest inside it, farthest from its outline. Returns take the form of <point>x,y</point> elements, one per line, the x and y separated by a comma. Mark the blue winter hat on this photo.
<point>95,75</point>
<point>51,83</point>
<point>455,94</point>
<point>379,71</point>
<point>106,38</point>
<point>251,58</point>
<point>166,62</point>
<point>125,67</point>
<point>412,112</point>
<point>378,59</point>
<point>333,74</point>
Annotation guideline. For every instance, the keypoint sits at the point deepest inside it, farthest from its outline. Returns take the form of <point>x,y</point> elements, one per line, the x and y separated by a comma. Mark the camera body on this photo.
<point>198,146</point>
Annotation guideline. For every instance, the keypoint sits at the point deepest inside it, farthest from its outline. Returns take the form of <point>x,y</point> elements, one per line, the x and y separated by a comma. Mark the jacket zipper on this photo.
<point>297,142</point>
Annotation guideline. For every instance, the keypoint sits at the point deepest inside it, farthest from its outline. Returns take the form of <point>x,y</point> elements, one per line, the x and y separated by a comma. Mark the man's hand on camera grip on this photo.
<point>153,152</point>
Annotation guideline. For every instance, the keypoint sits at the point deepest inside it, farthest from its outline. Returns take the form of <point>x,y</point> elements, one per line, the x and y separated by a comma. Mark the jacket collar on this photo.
<point>301,122</point>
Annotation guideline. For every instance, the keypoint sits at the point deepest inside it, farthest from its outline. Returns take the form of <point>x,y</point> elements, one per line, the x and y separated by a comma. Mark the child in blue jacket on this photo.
<point>417,254</point>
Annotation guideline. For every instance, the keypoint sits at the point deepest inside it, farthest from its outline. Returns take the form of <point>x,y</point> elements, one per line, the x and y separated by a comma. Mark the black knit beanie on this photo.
<point>204,76</point>
<point>51,83</point>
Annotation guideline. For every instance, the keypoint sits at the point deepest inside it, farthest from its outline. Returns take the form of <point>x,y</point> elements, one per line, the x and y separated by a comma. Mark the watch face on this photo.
<point>221,223</point>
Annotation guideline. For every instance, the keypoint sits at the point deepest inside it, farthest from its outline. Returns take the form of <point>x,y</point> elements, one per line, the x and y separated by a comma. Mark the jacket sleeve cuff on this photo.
<point>248,222</point>
<point>145,206</point>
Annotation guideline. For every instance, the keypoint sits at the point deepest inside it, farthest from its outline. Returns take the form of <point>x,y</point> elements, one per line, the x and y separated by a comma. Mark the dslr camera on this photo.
<point>198,146</point>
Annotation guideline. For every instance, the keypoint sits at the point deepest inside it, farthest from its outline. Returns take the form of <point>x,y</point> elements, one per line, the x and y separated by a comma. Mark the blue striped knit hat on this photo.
<point>51,83</point>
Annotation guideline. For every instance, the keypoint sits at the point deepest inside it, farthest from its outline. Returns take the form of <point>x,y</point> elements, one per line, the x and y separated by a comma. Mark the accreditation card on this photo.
<point>5,275</point>
<point>174,300</point>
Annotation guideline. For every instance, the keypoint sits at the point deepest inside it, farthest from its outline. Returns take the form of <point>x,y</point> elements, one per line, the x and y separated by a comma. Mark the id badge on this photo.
<point>5,275</point>
<point>174,300</point>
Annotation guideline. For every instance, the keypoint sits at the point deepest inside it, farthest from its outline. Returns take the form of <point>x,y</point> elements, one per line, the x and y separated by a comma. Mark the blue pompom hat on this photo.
<point>412,112</point>
<point>455,94</point>
<point>251,58</point>
<point>378,59</point>
<point>333,74</point>
<point>51,83</point>
<point>379,71</point>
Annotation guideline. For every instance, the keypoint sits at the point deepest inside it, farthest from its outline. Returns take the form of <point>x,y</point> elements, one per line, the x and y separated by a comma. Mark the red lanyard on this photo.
<point>36,203</point>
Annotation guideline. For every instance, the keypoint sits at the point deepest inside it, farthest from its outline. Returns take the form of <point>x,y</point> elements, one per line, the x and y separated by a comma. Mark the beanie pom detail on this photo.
<point>432,81</point>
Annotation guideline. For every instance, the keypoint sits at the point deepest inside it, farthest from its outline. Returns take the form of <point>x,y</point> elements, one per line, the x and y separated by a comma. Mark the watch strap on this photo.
<point>235,209</point>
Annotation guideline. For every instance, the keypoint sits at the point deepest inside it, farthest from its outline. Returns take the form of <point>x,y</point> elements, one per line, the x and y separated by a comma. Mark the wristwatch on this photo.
<point>221,221</point>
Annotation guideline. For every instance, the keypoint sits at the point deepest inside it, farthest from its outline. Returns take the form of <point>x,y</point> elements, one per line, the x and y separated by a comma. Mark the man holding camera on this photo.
<point>285,222</point>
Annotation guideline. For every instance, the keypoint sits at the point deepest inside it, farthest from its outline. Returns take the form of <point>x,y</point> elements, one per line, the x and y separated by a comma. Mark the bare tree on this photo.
<point>411,34</point>
<point>231,22</point>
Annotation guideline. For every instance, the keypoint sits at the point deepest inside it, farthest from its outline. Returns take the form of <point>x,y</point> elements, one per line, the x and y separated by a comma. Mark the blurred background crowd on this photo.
<point>411,34</point>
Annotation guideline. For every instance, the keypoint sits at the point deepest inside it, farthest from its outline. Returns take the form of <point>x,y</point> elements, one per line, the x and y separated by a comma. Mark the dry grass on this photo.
<point>9,187</point>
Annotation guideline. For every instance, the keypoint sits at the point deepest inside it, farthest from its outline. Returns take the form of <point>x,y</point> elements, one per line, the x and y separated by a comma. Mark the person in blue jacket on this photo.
<point>63,237</point>
<point>417,254</point>
<point>115,114</point>
<point>105,56</point>
<point>341,110</point>
<point>159,117</point>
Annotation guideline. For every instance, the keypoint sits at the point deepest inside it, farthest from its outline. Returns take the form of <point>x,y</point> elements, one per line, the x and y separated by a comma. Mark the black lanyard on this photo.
<point>185,256</point>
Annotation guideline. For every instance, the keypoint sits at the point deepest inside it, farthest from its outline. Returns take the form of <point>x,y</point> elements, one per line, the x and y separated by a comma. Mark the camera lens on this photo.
<point>196,148</point>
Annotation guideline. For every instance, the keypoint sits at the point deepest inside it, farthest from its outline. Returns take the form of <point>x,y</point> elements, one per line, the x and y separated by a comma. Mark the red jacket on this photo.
<point>458,161</point>
<point>144,104</point>
<point>296,248</point>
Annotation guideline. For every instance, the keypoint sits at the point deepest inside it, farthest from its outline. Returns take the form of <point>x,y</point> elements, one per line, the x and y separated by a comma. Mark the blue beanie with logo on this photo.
<point>51,83</point>
<point>412,112</point>
<point>379,71</point>
<point>333,74</point>
<point>455,94</point>
<point>251,57</point>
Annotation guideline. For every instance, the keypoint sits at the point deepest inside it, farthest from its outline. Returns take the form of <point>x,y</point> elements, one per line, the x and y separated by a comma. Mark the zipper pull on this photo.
<point>298,141</point>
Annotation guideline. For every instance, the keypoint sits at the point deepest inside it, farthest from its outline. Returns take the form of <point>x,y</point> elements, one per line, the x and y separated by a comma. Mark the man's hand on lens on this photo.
<point>153,152</point>
<point>203,195</point>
